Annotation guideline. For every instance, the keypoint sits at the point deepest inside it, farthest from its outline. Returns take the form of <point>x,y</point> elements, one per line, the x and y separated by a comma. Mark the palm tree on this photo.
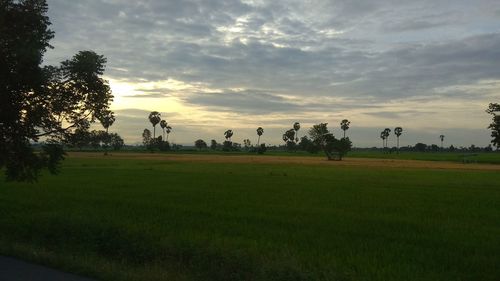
<point>107,120</point>
<point>344,125</point>
<point>397,132</point>
<point>382,136</point>
<point>228,134</point>
<point>387,133</point>
<point>260,131</point>
<point>168,129</point>
<point>442,139</point>
<point>163,125</point>
<point>154,118</point>
<point>296,127</point>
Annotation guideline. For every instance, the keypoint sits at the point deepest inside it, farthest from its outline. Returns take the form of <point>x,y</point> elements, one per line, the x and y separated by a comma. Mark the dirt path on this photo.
<point>303,160</point>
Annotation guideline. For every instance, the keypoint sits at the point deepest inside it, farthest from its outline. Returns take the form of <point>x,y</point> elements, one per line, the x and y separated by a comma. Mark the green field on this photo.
<point>480,157</point>
<point>130,219</point>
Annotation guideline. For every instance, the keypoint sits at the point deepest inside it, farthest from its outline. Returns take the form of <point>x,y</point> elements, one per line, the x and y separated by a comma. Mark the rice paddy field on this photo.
<point>143,216</point>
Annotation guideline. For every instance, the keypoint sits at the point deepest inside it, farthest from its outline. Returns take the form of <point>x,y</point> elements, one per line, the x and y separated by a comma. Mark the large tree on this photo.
<point>35,101</point>
<point>494,110</point>
<point>330,145</point>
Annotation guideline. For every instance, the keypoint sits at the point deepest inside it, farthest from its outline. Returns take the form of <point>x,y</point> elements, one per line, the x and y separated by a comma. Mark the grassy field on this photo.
<point>145,219</point>
<point>480,157</point>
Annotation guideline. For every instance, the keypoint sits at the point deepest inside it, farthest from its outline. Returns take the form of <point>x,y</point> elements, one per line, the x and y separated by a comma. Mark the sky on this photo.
<point>429,66</point>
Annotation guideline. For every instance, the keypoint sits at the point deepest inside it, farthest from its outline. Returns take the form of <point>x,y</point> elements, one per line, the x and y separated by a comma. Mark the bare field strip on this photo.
<point>303,160</point>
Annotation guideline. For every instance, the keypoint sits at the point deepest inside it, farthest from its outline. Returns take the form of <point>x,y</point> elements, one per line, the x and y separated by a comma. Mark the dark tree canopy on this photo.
<point>398,131</point>
<point>200,144</point>
<point>494,110</point>
<point>50,102</point>
<point>228,134</point>
<point>324,139</point>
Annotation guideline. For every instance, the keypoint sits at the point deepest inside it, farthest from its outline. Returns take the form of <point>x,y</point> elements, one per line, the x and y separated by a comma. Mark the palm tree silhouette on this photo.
<point>163,125</point>
<point>168,129</point>
<point>442,139</point>
<point>382,136</point>
<point>344,125</point>
<point>107,120</point>
<point>387,133</point>
<point>296,128</point>
<point>260,131</point>
<point>228,134</point>
<point>398,131</point>
<point>154,118</point>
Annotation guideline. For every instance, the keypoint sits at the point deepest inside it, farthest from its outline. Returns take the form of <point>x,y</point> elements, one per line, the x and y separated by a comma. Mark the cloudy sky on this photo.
<point>429,66</point>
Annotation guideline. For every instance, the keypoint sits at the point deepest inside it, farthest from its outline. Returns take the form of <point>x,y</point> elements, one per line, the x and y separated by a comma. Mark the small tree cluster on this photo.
<point>151,142</point>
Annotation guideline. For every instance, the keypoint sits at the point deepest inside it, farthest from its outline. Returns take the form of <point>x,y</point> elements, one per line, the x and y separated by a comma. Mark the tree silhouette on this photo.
<point>107,120</point>
<point>116,141</point>
<point>260,131</point>
<point>387,133</point>
<point>344,125</point>
<point>228,134</point>
<point>493,109</point>
<point>296,128</point>
<point>154,117</point>
<point>382,136</point>
<point>398,131</point>
<point>228,145</point>
<point>247,143</point>
<point>163,125</point>
<point>200,144</point>
<point>168,129</point>
<point>325,140</point>
<point>289,138</point>
<point>146,138</point>
<point>441,137</point>
<point>50,101</point>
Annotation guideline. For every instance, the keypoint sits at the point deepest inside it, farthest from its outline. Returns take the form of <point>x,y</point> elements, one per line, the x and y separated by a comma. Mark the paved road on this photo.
<point>16,270</point>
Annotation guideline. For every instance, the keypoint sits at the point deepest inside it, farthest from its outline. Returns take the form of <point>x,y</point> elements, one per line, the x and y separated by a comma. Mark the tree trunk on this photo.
<point>258,141</point>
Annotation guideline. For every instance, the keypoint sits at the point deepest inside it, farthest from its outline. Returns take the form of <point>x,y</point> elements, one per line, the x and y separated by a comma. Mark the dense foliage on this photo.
<point>494,110</point>
<point>332,147</point>
<point>50,102</point>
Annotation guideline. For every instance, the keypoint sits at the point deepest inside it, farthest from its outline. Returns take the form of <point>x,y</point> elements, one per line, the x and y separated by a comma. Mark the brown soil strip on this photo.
<point>302,160</point>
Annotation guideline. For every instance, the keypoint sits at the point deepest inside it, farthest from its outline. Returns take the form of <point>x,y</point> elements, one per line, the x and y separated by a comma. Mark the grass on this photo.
<point>479,157</point>
<point>155,220</point>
